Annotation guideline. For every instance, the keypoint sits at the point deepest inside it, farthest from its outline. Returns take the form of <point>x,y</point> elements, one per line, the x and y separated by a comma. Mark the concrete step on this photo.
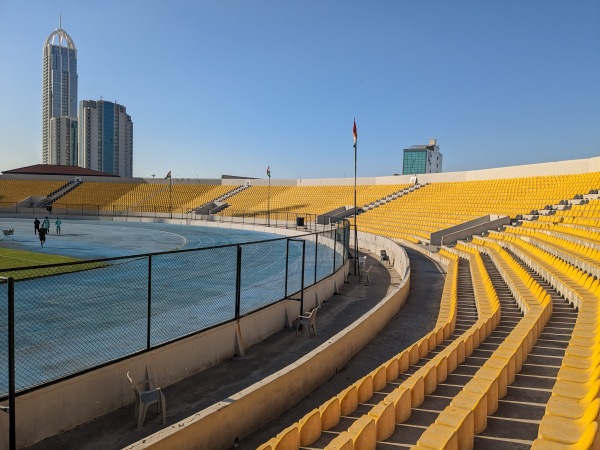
<point>515,424</point>
<point>409,432</point>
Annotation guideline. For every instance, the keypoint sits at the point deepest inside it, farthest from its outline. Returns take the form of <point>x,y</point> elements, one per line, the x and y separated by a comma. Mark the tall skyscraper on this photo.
<point>59,100</point>
<point>105,137</point>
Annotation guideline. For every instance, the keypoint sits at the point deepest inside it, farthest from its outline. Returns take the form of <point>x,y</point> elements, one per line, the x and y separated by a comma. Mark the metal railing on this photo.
<point>74,317</point>
<point>277,218</point>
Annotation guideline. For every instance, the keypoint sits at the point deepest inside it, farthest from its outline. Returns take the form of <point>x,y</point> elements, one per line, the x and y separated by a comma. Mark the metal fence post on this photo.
<point>238,282</point>
<point>287,252</point>
<point>334,245</point>
<point>302,277</point>
<point>346,243</point>
<point>316,254</point>
<point>149,300</point>
<point>12,431</point>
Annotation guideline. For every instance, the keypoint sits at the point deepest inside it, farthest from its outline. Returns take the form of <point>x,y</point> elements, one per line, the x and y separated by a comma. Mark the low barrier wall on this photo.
<point>90,395</point>
<point>247,410</point>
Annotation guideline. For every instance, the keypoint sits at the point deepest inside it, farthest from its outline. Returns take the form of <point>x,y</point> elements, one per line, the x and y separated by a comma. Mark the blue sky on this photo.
<point>231,86</point>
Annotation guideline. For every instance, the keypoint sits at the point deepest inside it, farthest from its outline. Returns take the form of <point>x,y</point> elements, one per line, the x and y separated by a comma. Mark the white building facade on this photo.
<point>59,99</point>
<point>105,137</point>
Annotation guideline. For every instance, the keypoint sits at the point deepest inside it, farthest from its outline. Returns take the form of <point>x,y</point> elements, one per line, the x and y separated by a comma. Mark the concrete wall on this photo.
<point>375,244</point>
<point>67,178</point>
<point>550,168</point>
<point>573,166</point>
<point>449,236</point>
<point>90,395</point>
<point>249,409</point>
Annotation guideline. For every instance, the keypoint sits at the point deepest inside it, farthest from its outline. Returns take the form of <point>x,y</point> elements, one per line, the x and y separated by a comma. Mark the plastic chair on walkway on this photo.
<point>384,256</point>
<point>365,274</point>
<point>362,261</point>
<point>146,395</point>
<point>308,321</point>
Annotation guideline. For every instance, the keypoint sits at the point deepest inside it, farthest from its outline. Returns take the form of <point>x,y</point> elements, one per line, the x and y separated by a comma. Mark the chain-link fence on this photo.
<point>74,317</point>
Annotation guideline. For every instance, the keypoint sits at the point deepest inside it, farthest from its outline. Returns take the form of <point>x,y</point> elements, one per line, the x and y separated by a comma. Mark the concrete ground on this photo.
<point>118,429</point>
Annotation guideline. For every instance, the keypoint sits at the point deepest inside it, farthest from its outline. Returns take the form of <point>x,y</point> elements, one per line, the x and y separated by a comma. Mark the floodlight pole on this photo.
<point>171,197</point>
<point>269,202</point>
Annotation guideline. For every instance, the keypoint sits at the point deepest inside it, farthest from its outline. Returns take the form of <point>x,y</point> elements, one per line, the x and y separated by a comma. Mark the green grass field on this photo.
<point>10,259</point>
<point>19,258</point>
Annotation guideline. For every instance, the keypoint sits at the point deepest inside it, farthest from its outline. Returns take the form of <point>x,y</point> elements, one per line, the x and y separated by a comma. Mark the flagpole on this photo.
<point>356,265</point>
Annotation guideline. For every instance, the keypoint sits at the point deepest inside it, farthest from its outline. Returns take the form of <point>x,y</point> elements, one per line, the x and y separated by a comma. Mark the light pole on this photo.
<point>356,265</point>
<point>269,197</point>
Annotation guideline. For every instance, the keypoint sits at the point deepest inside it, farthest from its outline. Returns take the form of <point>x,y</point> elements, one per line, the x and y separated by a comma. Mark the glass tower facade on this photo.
<point>422,159</point>
<point>415,161</point>
<point>105,137</point>
<point>59,99</point>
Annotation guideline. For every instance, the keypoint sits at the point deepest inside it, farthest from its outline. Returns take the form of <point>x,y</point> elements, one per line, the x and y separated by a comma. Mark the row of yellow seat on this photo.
<point>590,209</point>
<point>428,209</point>
<point>456,426</point>
<point>98,194</point>
<point>441,205</point>
<point>255,199</point>
<point>181,197</point>
<point>14,191</point>
<point>379,422</point>
<point>425,380</point>
<point>571,418</point>
<point>580,221</point>
<point>396,408</point>
<point>586,234</point>
<point>581,254</point>
<point>305,199</point>
<point>151,197</point>
<point>467,413</point>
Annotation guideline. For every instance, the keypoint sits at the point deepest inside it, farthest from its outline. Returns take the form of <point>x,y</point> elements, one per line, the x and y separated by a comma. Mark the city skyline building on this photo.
<point>59,99</point>
<point>422,159</point>
<point>105,137</point>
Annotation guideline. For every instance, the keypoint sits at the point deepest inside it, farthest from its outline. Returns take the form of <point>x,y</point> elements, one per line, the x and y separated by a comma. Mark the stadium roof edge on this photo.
<point>50,169</point>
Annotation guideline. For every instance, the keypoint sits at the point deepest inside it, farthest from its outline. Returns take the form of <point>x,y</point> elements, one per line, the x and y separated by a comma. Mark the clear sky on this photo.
<point>233,86</point>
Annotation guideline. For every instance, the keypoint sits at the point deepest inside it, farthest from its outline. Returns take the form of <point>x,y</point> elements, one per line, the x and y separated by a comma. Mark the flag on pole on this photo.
<point>269,171</point>
<point>354,133</point>
<point>168,175</point>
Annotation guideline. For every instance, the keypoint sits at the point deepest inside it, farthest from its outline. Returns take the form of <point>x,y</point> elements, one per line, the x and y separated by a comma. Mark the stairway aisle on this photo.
<point>408,432</point>
<point>443,395</point>
<point>515,424</point>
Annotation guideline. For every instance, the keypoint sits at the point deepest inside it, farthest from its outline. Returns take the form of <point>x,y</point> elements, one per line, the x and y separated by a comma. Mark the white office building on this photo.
<point>59,100</point>
<point>105,137</point>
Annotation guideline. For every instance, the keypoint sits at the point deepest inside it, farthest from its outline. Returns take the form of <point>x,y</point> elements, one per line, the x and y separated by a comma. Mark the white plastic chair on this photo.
<point>362,260</point>
<point>309,321</point>
<point>146,395</point>
<point>365,273</point>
